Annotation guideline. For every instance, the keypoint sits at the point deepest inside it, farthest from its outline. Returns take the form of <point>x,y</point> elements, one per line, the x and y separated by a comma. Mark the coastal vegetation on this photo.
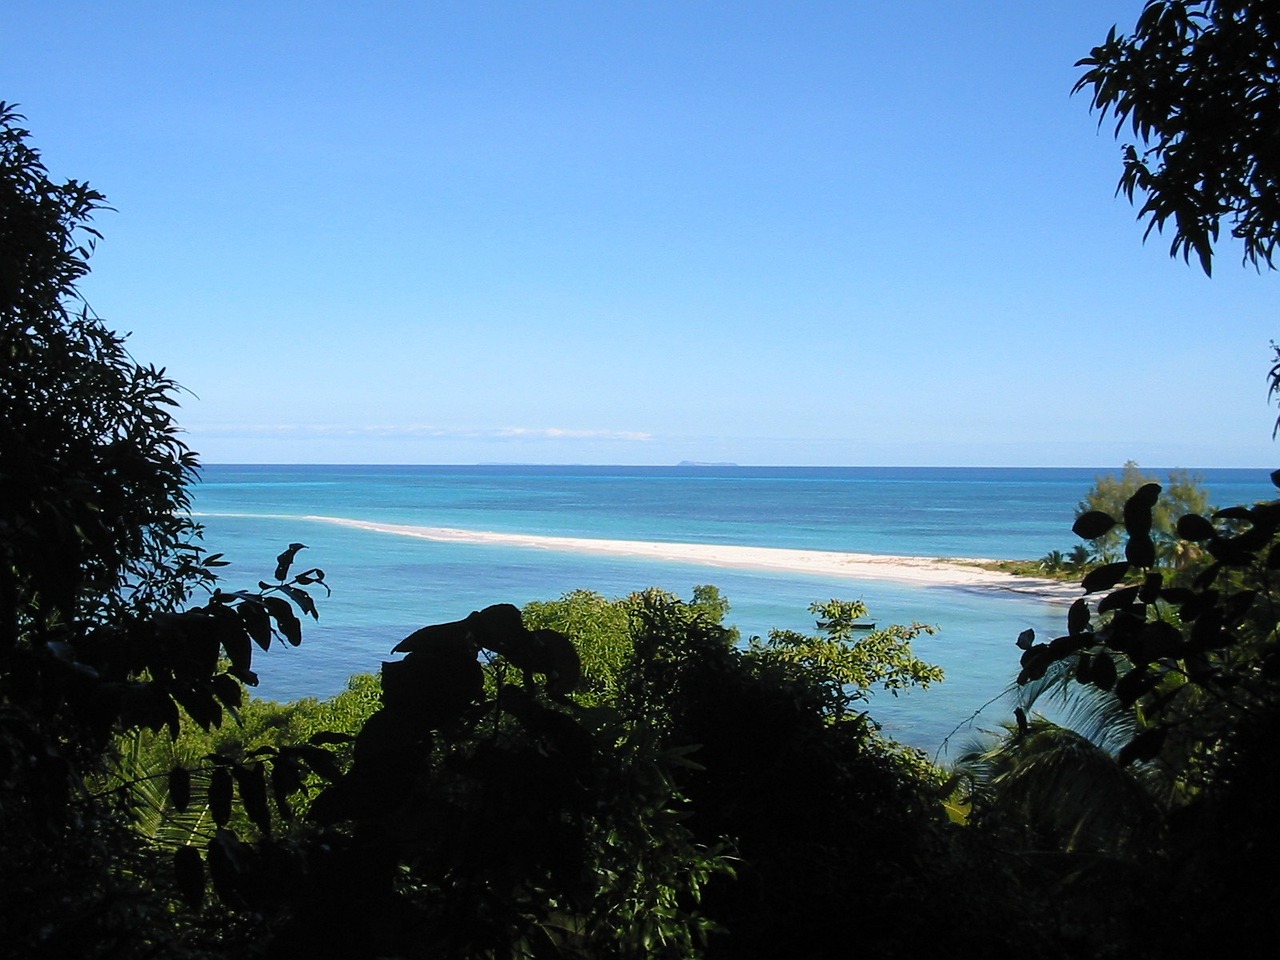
<point>595,777</point>
<point>1182,493</point>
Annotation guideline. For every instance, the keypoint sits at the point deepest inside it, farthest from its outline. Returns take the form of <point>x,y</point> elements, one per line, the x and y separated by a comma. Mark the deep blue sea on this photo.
<point>385,586</point>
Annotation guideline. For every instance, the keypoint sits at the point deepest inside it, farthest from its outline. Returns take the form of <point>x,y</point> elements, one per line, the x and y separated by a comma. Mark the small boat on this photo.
<point>862,626</point>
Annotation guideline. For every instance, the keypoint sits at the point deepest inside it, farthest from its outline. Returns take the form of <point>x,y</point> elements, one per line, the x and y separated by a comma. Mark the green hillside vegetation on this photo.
<point>598,777</point>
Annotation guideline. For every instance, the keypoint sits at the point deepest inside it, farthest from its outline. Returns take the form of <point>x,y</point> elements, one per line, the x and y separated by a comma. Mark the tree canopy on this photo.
<point>1198,84</point>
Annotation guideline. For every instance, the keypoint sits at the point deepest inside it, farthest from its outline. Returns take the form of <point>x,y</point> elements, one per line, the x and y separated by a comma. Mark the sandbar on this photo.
<point>916,571</point>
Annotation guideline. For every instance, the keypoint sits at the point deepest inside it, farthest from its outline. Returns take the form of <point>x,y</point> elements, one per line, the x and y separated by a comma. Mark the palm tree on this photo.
<point>1054,783</point>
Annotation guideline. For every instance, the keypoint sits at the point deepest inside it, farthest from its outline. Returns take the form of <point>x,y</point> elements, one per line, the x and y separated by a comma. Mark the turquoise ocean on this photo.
<point>387,585</point>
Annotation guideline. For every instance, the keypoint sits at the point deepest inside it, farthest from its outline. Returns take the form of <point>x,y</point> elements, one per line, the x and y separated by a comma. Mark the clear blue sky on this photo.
<point>625,232</point>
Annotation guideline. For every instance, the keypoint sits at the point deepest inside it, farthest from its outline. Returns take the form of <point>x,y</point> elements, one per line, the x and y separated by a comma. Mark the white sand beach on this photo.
<point>918,571</point>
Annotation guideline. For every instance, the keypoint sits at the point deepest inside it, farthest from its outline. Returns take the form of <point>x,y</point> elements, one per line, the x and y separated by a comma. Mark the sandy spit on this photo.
<point>917,571</point>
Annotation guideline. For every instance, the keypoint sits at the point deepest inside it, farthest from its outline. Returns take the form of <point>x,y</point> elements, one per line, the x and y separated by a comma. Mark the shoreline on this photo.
<point>915,571</point>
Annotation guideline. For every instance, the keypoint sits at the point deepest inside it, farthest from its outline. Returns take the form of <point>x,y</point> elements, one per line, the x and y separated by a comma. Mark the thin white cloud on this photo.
<point>561,433</point>
<point>409,432</point>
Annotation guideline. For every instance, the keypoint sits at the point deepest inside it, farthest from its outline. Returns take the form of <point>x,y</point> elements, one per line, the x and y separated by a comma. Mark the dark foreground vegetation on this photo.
<point>618,778</point>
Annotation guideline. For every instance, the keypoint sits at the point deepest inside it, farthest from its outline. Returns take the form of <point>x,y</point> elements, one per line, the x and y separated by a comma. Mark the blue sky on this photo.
<point>768,233</point>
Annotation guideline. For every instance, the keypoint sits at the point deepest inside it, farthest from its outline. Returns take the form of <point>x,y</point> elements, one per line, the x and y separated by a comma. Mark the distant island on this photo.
<point>705,463</point>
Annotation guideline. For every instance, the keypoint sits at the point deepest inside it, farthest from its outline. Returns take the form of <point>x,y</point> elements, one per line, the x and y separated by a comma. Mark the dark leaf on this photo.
<point>557,659</point>
<point>233,635</point>
<point>226,862</point>
<point>1134,684</point>
<point>1137,510</point>
<point>496,623</point>
<point>456,633</point>
<point>285,560</point>
<point>1206,576</point>
<point>432,686</point>
<point>1233,513</point>
<point>1103,672</point>
<point>1118,599</point>
<point>314,575</point>
<point>286,621</point>
<point>1078,617</point>
<point>1063,647</point>
<point>228,690</point>
<point>179,788</point>
<point>256,621</point>
<point>1151,587</point>
<point>1180,597</point>
<point>302,599</point>
<point>1084,668</point>
<point>1026,638</point>
<point>188,869</point>
<point>200,705</point>
<point>247,677</point>
<point>1158,640</point>
<point>1104,577</point>
<point>1140,550</point>
<point>318,759</point>
<point>1092,525</point>
<point>1145,746</point>
<point>220,788</point>
<point>286,779</point>
<point>253,794</point>
<point>1238,605</point>
<point>1035,662</point>
<point>1192,526</point>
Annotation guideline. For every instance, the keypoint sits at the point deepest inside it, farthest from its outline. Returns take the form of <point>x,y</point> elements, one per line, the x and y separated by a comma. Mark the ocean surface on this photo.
<point>385,585</point>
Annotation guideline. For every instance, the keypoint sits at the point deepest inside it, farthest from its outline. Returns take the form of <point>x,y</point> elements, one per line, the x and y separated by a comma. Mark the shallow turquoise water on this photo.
<point>386,586</point>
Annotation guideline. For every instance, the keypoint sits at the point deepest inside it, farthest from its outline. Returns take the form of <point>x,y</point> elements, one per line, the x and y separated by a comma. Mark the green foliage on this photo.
<point>1175,696</point>
<point>601,630</point>
<point>1195,83</point>
<point>847,660</point>
<point>1183,493</point>
<point>480,819</point>
<point>98,559</point>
